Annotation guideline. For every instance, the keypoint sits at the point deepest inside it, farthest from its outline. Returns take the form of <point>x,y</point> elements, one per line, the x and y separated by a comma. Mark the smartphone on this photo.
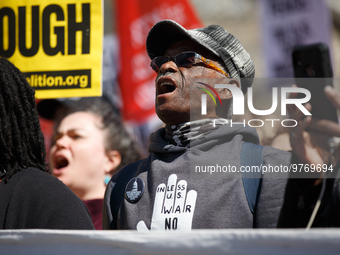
<point>313,71</point>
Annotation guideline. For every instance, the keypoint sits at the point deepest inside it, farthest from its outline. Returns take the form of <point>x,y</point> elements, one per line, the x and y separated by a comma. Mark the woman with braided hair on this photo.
<point>30,197</point>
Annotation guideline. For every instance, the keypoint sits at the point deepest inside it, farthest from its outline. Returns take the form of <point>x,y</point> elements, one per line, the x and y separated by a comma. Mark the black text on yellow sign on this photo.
<point>59,31</point>
<point>60,79</point>
<point>57,46</point>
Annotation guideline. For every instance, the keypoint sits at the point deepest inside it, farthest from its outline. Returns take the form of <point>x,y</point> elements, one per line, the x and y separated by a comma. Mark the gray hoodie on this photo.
<point>175,197</point>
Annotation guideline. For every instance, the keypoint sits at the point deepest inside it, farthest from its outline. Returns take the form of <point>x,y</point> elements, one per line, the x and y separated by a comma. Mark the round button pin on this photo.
<point>134,190</point>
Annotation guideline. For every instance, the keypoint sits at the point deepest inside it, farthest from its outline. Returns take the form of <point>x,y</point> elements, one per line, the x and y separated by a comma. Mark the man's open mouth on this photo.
<point>165,85</point>
<point>166,88</point>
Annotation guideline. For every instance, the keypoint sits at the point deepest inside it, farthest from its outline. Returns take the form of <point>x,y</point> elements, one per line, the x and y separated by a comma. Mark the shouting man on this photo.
<point>193,176</point>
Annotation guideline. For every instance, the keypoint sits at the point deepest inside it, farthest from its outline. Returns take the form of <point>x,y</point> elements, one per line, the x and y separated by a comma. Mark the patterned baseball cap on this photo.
<point>214,38</point>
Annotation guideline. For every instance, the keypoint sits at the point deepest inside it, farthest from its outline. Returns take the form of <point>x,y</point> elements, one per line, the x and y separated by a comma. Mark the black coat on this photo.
<point>34,199</point>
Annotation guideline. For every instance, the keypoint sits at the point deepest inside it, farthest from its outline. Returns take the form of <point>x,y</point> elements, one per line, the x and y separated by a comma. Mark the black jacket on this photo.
<point>301,197</point>
<point>34,199</point>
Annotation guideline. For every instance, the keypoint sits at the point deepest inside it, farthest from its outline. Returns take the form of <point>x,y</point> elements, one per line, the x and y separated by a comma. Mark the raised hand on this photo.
<point>313,147</point>
<point>173,207</point>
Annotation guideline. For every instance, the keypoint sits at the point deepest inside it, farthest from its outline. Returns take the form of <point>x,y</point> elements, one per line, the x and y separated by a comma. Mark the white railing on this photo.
<point>211,242</point>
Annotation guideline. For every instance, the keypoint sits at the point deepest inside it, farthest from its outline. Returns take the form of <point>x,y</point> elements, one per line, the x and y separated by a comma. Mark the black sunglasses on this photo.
<point>184,59</point>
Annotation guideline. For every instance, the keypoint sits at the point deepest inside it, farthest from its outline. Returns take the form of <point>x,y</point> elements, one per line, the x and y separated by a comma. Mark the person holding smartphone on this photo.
<point>314,201</point>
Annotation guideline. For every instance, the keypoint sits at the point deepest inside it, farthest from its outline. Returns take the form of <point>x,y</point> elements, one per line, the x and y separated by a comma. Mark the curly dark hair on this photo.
<point>21,140</point>
<point>117,137</point>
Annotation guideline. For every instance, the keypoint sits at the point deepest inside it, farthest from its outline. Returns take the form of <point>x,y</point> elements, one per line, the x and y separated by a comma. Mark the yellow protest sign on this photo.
<point>57,44</point>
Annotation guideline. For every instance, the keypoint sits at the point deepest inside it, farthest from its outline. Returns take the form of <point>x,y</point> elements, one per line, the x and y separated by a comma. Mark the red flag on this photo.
<point>134,20</point>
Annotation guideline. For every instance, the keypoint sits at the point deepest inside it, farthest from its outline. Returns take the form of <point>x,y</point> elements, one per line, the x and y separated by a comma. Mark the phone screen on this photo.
<point>313,71</point>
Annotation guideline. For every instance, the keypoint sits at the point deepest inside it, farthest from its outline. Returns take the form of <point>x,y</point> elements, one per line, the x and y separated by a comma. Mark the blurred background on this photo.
<point>242,18</point>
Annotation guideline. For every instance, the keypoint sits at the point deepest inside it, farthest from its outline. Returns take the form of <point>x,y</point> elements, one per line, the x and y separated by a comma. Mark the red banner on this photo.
<point>134,20</point>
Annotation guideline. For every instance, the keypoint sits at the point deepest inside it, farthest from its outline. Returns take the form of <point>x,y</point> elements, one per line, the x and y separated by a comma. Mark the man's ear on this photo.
<point>225,94</point>
<point>113,161</point>
<point>223,111</point>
